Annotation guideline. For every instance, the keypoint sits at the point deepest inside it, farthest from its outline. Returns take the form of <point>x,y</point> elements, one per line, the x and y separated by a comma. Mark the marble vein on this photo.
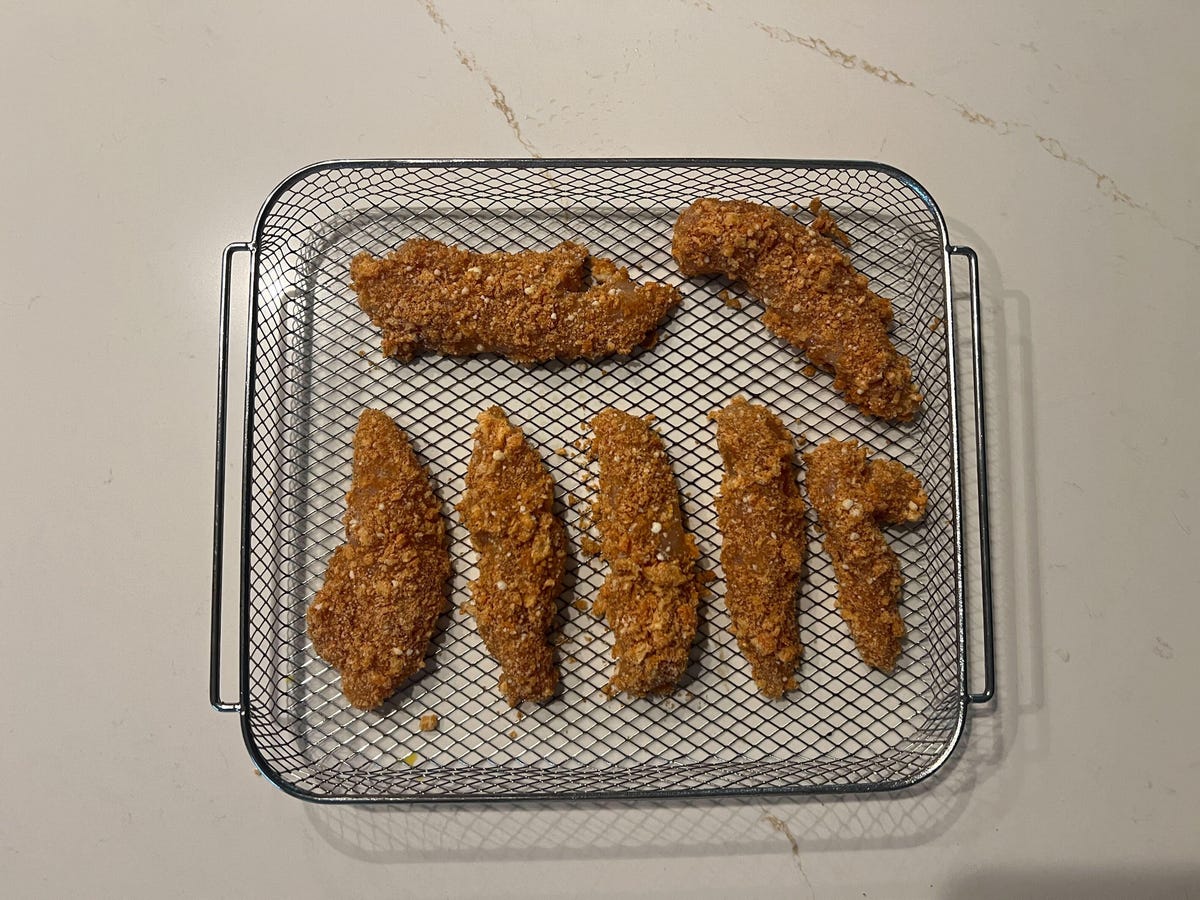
<point>468,61</point>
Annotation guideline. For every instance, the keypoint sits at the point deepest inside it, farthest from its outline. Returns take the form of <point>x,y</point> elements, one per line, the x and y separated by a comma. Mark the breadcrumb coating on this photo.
<point>529,306</point>
<point>652,590</point>
<point>761,516</point>
<point>853,497</point>
<point>385,587</point>
<point>508,507</point>
<point>814,298</point>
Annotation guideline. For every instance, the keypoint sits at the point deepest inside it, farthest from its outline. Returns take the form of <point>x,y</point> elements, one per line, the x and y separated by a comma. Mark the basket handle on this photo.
<point>214,668</point>
<point>985,539</point>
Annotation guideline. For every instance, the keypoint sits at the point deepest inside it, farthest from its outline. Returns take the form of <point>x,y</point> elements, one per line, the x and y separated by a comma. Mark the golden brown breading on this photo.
<point>761,515</point>
<point>814,298</point>
<point>509,509</point>
<point>530,306</point>
<point>386,586</point>
<point>652,590</point>
<point>853,497</point>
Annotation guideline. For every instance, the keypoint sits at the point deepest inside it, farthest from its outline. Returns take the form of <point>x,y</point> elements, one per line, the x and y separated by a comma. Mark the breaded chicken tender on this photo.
<point>529,306</point>
<point>385,587</point>
<point>652,589</point>
<point>815,300</point>
<point>761,516</point>
<point>508,508</point>
<point>853,497</point>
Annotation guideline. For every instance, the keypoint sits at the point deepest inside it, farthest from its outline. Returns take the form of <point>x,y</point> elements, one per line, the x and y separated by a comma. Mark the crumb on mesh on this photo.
<point>429,722</point>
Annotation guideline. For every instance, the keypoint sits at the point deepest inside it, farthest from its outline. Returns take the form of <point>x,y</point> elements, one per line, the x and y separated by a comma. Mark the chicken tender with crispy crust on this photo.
<point>530,306</point>
<point>761,516</point>
<point>508,507</point>
<point>853,497</point>
<point>815,300</point>
<point>385,587</point>
<point>652,589</point>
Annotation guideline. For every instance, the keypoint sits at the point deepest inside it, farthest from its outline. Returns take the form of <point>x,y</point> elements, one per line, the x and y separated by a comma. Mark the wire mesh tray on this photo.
<point>314,363</point>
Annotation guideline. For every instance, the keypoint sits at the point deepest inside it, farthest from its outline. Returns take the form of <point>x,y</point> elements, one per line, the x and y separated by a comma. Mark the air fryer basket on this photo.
<point>314,364</point>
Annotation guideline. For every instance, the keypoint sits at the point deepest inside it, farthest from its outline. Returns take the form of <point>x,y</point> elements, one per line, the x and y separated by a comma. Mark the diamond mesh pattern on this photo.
<point>316,365</point>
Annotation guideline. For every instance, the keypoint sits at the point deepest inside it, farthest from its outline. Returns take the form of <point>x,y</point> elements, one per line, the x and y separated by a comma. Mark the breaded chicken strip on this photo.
<point>651,592</point>
<point>509,509</point>
<point>386,586</point>
<point>853,497</point>
<point>815,299</point>
<point>530,306</point>
<point>761,516</point>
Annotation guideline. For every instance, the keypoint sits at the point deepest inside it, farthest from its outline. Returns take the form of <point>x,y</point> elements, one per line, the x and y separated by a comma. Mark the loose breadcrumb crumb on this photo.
<point>429,722</point>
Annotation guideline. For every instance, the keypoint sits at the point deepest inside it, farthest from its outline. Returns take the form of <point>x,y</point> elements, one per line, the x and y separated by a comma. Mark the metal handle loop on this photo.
<point>985,540</point>
<point>214,670</point>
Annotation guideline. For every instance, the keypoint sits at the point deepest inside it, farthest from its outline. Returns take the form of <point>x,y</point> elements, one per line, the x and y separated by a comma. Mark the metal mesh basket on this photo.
<point>314,364</point>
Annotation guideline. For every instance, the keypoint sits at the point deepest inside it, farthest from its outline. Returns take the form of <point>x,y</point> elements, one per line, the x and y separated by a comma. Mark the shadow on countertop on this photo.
<point>769,824</point>
<point>1068,882</point>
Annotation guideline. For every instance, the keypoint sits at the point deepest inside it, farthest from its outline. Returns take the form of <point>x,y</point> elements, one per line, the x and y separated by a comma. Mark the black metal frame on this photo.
<point>948,736</point>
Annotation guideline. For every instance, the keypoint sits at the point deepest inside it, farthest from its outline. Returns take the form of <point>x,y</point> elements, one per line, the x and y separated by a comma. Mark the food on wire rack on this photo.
<point>652,589</point>
<point>853,497</point>
<point>530,306</point>
<point>508,507</point>
<point>814,298</point>
<point>386,586</point>
<point>761,516</point>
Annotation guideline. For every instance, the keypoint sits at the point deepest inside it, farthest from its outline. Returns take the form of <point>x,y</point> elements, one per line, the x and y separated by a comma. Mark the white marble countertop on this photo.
<point>1061,142</point>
